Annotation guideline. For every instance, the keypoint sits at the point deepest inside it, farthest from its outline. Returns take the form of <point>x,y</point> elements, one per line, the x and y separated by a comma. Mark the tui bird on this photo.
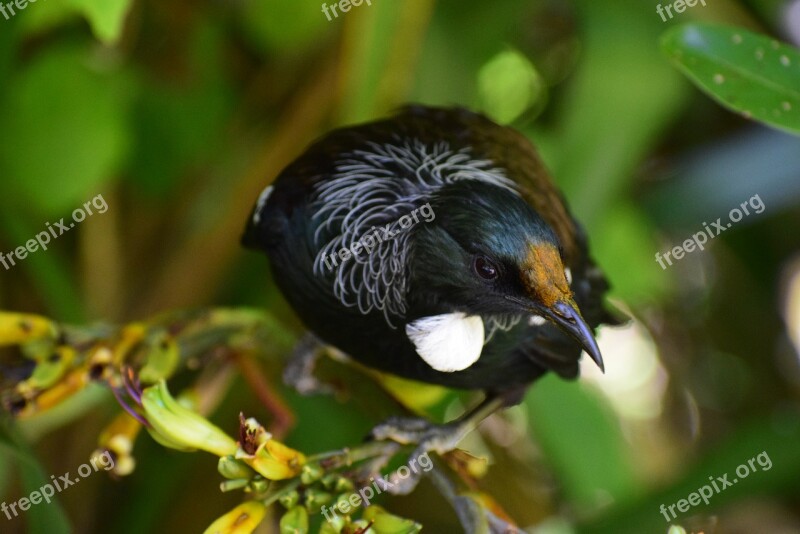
<point>434,246</point>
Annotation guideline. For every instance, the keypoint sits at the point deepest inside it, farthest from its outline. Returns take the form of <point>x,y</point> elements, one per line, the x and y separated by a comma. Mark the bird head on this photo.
<point>488,252</point>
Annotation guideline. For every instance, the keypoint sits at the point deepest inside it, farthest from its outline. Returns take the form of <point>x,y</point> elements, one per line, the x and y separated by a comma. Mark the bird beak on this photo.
<point>565,314</point>
<point>549,295</point>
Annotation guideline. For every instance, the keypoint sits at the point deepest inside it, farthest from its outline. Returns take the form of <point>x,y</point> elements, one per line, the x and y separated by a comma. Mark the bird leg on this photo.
<point>299,370</point>
<point>431,437</point>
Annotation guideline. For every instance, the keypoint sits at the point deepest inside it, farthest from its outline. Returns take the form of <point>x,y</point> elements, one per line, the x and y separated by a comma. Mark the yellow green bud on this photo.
<point>385,523</point>
<point>258,485</point>
<point>295,521</point>
<point>234,469</point>
<point>329,480</point>
<point>181,428</point>
<point>162,360</point>
<point>232,485</point>
<point>50,370</point>
<point>316,498</point>
<point>342,502</point>
<point>329,528</point>
<point>311,473</point>
<point>362,526</point>
<point>274,460</point>
<point>289,499</point>
<point>18,328</point>
<point>343,484</point>
<point>241,520</point>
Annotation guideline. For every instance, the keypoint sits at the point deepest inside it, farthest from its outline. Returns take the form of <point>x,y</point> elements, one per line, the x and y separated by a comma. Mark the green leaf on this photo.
<point>582,442</point>
<point>618,244</point>
<point>295,521</point>
<point>749,73</point>
<point>621,100</point>
<point>68,126</point>
<point>774,436</point>
<point>107,17</point>
<point>508,85</point>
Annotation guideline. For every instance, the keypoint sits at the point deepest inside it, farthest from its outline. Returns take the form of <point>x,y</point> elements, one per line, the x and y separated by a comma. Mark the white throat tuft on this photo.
<point>449,342</point>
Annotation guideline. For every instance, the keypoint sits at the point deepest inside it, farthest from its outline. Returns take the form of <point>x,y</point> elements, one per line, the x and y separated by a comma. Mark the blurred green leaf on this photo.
<point>582,441</point>
<point>107,17</point>
<point>68,126</point>
<point>749,73</point>
<point>508,85</point>
<point>775,435</point>
<point>446,73</point>
<point>623,97</point>
<point>624,243</point>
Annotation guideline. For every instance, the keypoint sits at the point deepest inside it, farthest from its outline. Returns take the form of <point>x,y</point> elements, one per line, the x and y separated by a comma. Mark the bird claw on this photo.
<point>428,437</point>
<point>403,430</point>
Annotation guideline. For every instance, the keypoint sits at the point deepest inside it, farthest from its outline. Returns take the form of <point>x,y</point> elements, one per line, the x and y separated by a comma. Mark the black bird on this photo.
<point>434,246</point>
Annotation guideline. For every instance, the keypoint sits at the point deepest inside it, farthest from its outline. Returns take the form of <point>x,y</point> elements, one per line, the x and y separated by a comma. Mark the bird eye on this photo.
<point>485,268</point>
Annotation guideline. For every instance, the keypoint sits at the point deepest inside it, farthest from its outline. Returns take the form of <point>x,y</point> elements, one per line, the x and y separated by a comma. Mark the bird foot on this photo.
<point>299,370</point>
<point>417,431</point>
<point>428,437</point>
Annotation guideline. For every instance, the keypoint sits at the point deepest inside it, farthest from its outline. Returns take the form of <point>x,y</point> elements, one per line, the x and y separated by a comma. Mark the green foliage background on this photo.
<point>179,113</point>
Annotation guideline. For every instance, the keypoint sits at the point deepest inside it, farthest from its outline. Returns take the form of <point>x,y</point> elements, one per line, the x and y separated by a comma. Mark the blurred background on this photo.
<point>179,113</point>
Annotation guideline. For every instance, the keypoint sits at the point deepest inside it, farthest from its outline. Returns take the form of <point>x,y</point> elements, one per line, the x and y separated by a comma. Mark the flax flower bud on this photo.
<point>177,427</point>
<point>241,520</point>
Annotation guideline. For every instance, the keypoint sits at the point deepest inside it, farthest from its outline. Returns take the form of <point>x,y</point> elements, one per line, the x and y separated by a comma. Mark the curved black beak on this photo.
<point>566,315</point>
